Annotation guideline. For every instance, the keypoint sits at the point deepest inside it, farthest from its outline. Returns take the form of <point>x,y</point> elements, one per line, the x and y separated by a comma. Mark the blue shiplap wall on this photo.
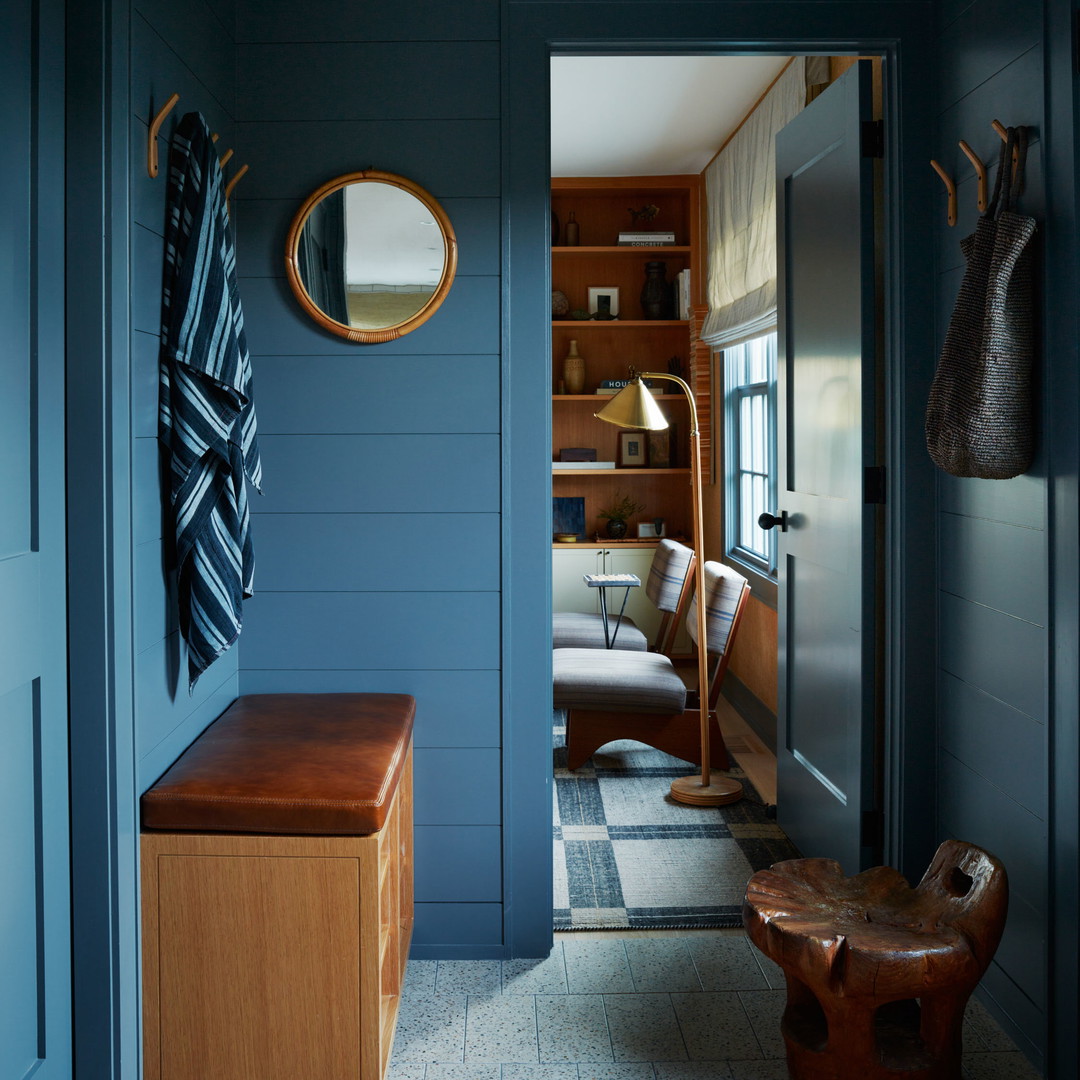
<point>993,564</point>
<point>188,49</point>
<point>378,537</point>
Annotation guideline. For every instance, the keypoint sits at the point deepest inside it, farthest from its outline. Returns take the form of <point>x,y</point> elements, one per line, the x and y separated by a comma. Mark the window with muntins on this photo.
<point>750,426</point>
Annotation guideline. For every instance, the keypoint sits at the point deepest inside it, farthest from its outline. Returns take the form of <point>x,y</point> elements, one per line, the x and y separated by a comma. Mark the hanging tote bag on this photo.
<point>979,416</point>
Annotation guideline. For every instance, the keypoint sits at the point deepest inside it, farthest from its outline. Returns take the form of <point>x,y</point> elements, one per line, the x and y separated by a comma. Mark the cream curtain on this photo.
<point>740,191</point>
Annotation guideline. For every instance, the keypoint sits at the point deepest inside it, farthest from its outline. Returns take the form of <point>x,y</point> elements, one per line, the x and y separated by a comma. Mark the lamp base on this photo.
<point>720,791</point>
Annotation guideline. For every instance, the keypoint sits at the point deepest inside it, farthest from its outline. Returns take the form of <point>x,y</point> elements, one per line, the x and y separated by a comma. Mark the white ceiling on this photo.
<point>649,115</point>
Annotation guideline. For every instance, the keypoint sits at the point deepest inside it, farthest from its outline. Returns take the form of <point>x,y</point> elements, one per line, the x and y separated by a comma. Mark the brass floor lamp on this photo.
<point>634,407</point>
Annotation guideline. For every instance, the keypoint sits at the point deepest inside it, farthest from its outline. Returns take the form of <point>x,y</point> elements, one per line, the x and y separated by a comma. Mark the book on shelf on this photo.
<point>619,384</point>
<point>659,238</point>
<point>682,294</point>
<point>583,464</point>
<point>612,390</point>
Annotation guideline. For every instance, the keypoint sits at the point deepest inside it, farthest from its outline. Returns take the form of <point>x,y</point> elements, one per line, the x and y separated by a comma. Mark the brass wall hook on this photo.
<point>155,127</point>
<point>234,181</point>
<point>950,187</point>
<point>980,172</point>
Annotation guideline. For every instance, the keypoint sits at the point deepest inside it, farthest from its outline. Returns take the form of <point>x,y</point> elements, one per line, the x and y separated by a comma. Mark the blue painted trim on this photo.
<point>458,952</point>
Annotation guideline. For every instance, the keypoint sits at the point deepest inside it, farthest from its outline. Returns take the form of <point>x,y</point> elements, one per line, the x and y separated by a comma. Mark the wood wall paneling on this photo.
<point>753,658</point>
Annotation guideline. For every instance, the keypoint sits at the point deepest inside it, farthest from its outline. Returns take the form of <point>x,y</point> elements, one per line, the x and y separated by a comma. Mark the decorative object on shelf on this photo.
<point>566,538</point>
<point>560,306</point>
<point>616,514</point>
<point>580,313</point>
<point>603,301</point>
<point>635,409</point>
<point>675,367</point>
<point>657,301</point>
<point>574,370</point>
<point>568,516</point>
<point>633,449</point>
<point>661,444</point>
<point>651,530</point>
<point>555,230</point>
<point>645,214</point>
<point>577,453</point>
<point>573,231</point>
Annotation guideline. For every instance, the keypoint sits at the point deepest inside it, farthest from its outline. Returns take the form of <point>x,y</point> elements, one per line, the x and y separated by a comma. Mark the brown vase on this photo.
<point>574,370</point>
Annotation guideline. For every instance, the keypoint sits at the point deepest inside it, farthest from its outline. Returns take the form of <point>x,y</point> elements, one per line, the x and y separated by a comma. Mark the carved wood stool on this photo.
<point>878,973</point>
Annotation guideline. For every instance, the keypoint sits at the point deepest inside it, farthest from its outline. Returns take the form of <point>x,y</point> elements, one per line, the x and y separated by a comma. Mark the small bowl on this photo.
<point>566,538</point>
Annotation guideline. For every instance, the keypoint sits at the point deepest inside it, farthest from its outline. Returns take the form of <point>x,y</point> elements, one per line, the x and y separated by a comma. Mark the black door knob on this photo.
<point>767,521</point>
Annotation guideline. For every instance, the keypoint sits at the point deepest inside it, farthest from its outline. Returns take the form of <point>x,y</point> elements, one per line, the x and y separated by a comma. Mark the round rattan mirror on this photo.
<point>370,256</point>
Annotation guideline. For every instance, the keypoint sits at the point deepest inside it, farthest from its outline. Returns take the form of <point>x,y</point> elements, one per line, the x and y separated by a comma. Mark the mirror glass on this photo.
<point>371,256</point>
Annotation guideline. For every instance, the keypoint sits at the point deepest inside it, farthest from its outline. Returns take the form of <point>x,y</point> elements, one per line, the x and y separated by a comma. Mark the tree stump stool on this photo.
<point>878,973</point>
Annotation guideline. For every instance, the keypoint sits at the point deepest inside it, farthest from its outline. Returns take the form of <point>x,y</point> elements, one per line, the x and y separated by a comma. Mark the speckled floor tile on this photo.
<point>501,1028</point>
<point>420,977</point>
<point>759,1070</point>
<point>765,1007</point>
<point>469,977</point>
<point>989,1032</point>
<point>643,1028</point>
<point>540,1072</point>
<point>572,1027</point>
<point>617,1070</point>
<point>691,1070</point>
<point>774,973</point>
<point>431,1029</point>
<point>715,1027</point>
<point>405,1070</point>
<point>662,967</point>
<point>463,1072</point>
<point>726,964</point>
<point>597,967</point>
<point>544,976</point>
<point>999,1066</point>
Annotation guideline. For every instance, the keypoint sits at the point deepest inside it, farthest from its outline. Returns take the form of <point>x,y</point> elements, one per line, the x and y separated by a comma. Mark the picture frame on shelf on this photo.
<point>604,301</point>
<point>633,450</point>
<point>652,530</point>
<point>661,448</point>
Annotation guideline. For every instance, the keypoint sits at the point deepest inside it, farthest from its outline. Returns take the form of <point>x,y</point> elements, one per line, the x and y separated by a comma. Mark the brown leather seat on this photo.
<point>289,764</point>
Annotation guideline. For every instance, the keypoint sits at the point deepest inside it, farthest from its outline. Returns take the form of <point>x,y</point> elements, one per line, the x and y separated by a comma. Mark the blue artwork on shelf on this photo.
<point>568,515</point>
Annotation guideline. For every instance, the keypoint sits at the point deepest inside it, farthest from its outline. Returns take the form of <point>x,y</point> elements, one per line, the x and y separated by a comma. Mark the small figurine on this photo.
<point>646,213</point>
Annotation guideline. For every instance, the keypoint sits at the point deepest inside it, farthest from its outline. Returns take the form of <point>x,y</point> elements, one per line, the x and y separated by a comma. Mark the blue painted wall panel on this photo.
<point>392,552</point>
<point>454,786</point>
<point>155,602</point>
<point>456,865</point>
<point>147,260</point>
<point>146,491</point>
<point>372,630</point>
<point>1019,501</point>
<point>450,158</point>
<point>467,324</point>
<point>438,474</point>
<point>462,924</point>
<point>437,81</point>
<point>994,564</point>
<point>453,708</point>
<point>266,222</point>
<point>145,380</point>
<point>345,20</point>
<point>408,395</point>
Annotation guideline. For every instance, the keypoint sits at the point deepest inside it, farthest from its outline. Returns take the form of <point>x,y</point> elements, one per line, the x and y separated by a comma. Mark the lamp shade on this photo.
<point>634,407</point>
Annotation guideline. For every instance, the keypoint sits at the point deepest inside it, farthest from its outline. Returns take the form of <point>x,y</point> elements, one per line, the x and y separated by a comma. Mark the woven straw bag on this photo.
<point>979,416</point>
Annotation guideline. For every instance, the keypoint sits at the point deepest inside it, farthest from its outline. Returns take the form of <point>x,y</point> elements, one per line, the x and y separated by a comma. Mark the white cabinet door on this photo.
<point>569,565</point>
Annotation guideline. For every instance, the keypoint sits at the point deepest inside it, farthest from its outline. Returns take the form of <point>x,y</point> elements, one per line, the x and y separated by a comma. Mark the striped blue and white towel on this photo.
<point>206,421</point>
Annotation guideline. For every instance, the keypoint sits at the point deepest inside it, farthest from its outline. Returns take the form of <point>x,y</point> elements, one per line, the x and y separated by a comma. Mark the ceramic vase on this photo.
<point>657,299</point>
<point>573,232</point>
<point>574,370</point>
<point>615,528</point>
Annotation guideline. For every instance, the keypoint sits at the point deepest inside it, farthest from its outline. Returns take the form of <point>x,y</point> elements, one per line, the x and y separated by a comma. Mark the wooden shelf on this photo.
<point>617,472</point>
<point>616,324</point>
<point>624,249</point>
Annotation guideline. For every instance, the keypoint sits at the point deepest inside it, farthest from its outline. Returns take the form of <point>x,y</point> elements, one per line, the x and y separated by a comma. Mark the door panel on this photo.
<point>35,993</point>
<point>826,761</point>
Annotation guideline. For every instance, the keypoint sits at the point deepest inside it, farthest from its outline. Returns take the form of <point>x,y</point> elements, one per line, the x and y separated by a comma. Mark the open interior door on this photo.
<point>827,761</point>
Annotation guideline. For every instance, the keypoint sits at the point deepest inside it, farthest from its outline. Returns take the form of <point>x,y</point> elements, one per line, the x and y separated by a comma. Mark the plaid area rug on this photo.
<point>627,856</point>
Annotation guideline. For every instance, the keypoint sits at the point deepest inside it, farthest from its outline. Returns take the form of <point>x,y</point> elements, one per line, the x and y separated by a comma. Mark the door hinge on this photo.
<point>873,829</point>
<point>874,484</point>
<point>873,138</point>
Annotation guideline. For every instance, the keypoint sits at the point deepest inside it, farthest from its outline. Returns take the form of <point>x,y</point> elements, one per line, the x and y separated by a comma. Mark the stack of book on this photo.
<point>682,295</point>
<point>613,386</point>
<point>646,239</point>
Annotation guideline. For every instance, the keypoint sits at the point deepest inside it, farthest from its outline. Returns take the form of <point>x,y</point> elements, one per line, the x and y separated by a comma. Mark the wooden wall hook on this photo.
<point>225,157</point>
<point>980,172</point>
<point>1000,128</point>
<point>950,187</point>
<point>155,127</point>
<point>234,181</point>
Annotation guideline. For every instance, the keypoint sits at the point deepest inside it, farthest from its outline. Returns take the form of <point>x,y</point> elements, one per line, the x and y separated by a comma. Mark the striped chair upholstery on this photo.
<point>616,681</point>
<point>723,590</point>
<point>667,574</point>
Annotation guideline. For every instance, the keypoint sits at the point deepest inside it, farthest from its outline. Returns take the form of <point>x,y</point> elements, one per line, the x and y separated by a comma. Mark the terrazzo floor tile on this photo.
<point>691,1070</point>
<point>662,967</point>
<point>544,976</point>
<point>540,1072</point>
<point>463,1072</point>
<point>501,1028</point>
<point>420,977</point>
<point>715,1027</point>
<point>572,1027</point>
<point>764,1008</point>
<point>774,973</point>
<point>726,964</point>
<point>617,1070</point>
<point>999,1066</point>
<point>759,1070</point>
<point>986,1028</point>
<point>643,1028</point>
<point>469,977</point>
<point>431,1029</point>
<point>597,967</point>
<point>406,1070</point>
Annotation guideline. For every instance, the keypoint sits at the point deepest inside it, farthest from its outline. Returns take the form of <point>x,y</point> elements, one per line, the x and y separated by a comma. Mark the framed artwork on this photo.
<point>604,301</point>
<point>633,449</point>
<point>568,515</point>
<point>660,449</point>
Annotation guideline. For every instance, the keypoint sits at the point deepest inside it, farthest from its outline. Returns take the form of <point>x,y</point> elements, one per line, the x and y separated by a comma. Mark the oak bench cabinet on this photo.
<point>277,901</point>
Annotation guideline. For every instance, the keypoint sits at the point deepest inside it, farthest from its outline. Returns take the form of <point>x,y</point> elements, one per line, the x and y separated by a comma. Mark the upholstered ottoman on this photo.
<point>277,891</point>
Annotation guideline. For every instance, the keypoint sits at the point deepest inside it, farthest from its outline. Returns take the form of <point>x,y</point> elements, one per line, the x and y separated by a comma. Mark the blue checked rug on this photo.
<point>628,856</point>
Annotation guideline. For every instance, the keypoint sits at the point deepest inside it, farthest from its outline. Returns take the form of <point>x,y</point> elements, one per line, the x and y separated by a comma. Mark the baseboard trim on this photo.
<point>759,716</point>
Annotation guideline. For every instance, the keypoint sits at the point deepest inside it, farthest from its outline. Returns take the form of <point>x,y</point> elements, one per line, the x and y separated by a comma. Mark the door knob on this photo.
<point>767,521</point>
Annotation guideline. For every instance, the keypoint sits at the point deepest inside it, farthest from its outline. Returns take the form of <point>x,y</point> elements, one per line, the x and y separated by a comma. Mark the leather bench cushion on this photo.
<point>289,764</point>
<point>608,680</point>
<point>585,630</point>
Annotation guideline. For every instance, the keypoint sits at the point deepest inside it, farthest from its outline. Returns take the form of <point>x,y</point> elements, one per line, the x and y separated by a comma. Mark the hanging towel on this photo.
<point>206,421</point>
